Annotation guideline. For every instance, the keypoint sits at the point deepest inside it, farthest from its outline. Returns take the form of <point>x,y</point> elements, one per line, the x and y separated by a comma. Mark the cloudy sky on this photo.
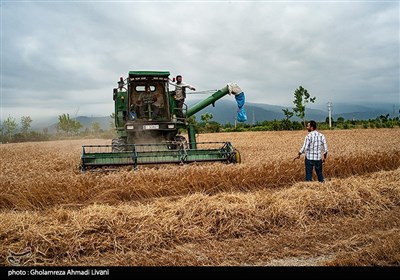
<point>66,56</point>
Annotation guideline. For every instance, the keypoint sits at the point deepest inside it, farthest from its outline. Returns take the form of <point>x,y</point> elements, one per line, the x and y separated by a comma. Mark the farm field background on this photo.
<point>257,213</point>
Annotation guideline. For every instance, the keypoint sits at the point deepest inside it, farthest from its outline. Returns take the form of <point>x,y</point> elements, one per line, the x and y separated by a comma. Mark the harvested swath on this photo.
<point>381,249</point>
<point>61,236</point>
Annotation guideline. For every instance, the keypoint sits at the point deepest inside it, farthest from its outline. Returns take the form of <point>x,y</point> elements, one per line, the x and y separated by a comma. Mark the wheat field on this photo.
<point>256,213</point>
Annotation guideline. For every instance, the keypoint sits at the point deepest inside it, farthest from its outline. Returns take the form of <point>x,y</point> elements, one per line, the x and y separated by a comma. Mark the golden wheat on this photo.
<point>211,214</point>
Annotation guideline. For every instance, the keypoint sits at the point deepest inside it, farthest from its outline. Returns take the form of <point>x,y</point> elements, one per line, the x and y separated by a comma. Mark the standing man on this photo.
<point>316,151</point>
<point>180,93</point>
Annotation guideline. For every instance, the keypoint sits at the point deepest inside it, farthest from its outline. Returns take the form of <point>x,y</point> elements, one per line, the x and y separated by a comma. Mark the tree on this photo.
<point>10,126</point>
<point>25,124</point>
<point>301,98</point>
<point>383,118</point>
<point>68,125</point>
<point>286,122</point>
<point>95,126</point>
<point>76,126</point>
<point>192,121</point>
<point>205,124</point>
<point>206,117</point>
<point>112,122</point>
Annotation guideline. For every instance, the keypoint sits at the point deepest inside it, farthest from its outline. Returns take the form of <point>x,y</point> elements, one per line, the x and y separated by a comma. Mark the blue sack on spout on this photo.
<point>239,96</point>
<point>241,112</point>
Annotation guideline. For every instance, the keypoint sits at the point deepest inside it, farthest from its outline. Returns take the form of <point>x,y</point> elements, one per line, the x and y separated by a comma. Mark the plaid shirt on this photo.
<point>314,143</point>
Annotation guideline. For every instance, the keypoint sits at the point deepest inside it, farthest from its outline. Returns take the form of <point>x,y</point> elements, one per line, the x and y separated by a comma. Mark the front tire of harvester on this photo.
<point>118,144</point>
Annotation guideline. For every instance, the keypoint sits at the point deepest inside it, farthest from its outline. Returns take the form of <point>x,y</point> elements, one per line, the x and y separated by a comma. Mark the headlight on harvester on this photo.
<point>129,127</point>
<point>171,126</point>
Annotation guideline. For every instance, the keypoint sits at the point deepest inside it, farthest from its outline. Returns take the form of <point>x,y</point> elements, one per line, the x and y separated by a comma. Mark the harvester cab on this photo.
<point>149,129</point>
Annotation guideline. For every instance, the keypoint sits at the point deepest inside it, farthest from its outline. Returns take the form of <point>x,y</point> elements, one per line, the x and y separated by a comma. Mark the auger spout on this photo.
<point>208,101</point>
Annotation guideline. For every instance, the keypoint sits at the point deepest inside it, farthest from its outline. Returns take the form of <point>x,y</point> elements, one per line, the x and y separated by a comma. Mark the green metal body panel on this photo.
<point>149,73</point>
<point>192,136</point>
<point>120,105</point>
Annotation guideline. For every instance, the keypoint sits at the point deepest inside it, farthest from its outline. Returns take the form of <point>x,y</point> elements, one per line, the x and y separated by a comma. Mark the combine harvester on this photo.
<point>145,139</point>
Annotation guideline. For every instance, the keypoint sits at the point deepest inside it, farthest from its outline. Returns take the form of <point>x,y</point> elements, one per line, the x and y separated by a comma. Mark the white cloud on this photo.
<point>67,55</point>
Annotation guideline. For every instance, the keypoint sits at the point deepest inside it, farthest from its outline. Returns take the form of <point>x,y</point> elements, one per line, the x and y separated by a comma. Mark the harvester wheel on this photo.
<point>118,144</point>
<point>235,158</point>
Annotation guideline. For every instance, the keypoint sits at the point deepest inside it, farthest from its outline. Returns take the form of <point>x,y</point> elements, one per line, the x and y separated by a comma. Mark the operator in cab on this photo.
<point>149,103</point>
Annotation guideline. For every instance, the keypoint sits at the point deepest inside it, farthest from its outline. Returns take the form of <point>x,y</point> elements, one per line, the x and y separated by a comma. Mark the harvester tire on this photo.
<point>118,144</point>
<point>235,158</point>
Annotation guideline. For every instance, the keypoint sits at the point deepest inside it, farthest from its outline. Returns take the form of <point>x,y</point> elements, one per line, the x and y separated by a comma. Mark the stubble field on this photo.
<point>257,213</point>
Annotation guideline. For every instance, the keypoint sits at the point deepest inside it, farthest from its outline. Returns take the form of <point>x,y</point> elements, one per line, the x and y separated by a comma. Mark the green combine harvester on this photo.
<point>148,139</point>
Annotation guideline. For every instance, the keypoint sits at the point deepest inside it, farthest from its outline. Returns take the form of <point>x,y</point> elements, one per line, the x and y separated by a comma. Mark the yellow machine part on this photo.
<point>238,158</point>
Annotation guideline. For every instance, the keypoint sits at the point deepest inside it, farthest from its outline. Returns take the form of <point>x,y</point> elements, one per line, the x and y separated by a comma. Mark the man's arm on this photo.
<point>305,145</point>
<point>192,88</point>
<point>324,156</point>
<point>139,99</point>
<point>184,85</point>
<point>303,148</point>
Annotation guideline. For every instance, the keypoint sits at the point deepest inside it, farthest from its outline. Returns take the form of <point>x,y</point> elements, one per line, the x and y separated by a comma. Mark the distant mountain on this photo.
<point>364,111</point>
<point>225,112</point>
<point>344,108</point>
<point>86,122</point>
<point>361,115</point>
<point>316,114</point>
<point>104,122</point>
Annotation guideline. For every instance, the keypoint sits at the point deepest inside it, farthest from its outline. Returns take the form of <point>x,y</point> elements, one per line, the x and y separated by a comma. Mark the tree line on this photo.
<point>67,127</point>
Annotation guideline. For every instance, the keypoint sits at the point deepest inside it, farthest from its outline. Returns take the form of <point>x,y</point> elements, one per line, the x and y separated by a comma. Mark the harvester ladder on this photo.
<point>134,157</point>
<point>182,152</point>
